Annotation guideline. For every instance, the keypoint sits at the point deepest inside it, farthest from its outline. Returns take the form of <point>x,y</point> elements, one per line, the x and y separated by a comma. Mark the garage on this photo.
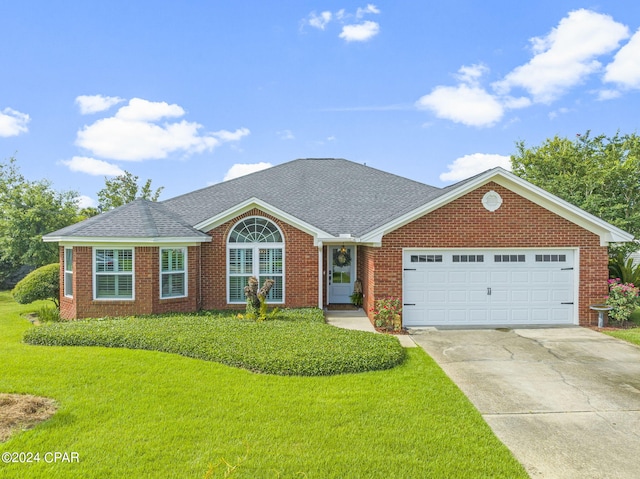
<point>489,287</point>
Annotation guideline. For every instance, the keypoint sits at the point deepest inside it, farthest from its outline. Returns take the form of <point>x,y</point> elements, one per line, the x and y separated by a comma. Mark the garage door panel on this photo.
<point>526,287</point>
<point>520,277</point>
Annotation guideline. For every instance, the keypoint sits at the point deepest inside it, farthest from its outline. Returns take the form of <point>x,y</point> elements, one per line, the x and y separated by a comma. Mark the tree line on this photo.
<point>30,209</point>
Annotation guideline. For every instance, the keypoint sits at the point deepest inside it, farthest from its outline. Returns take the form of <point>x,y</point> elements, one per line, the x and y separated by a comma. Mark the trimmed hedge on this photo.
<point>41,284</point>
<point>297,343</point>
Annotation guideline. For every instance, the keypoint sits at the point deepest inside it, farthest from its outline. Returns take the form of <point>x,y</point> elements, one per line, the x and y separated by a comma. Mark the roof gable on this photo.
<point>606,231</point>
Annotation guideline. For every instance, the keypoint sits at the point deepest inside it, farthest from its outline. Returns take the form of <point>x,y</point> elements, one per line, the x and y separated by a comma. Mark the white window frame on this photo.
<point>68,274</point>
<point>131,273</point>
<point>184,272</point>
<point>255,247</point>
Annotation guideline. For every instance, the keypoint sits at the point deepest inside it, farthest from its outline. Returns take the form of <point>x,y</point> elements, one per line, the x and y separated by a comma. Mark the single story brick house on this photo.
<point>488,251</point>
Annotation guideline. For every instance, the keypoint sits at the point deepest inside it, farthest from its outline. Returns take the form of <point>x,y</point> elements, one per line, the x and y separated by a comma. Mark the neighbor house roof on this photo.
<point>329,198</point>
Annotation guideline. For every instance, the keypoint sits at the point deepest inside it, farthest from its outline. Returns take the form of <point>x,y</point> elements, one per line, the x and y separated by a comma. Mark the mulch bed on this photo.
<point>23,411</point>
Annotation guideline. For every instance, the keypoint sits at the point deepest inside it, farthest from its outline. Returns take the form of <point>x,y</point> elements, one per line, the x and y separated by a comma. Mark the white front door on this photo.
<point>341,273</point>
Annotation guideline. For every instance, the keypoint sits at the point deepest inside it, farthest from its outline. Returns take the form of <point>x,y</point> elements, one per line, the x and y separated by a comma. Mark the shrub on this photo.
<point>623,297</point>
<point>387,314</point>
<point>298,343</point>
<point>41,284</point>
<point>623,269</point>
<point>46,314</point>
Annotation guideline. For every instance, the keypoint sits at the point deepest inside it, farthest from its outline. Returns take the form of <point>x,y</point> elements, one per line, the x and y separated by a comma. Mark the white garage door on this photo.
<point>488,287</point>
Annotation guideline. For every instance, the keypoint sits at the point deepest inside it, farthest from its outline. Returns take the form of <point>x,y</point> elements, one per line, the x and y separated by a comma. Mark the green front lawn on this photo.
<point>139,414</point>
<point>631,335</point>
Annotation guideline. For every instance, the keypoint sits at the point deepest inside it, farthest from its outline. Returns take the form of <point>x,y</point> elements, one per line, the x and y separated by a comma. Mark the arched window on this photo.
<point>255,248</point>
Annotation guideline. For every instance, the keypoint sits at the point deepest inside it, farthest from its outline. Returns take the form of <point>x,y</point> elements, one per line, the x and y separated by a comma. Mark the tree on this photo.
<point>41,284</point>
<point>30,209</point>
<point>124,189</point>
<point>598,174</point>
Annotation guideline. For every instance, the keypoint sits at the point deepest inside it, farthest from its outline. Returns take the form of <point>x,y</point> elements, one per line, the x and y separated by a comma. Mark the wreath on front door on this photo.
<point>341,258</point>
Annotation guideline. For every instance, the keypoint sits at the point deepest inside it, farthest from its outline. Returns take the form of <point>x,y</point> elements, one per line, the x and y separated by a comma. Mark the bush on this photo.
<point>623,269</point>
<point>623,297</point>
<point>47,315</point>
<point>297,343</point>
<point>387,314</point>
<point>41,284</point>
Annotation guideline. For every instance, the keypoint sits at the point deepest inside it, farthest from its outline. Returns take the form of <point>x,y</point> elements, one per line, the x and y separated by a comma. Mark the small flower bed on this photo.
<point>623,297</point>
<point>387,314</point>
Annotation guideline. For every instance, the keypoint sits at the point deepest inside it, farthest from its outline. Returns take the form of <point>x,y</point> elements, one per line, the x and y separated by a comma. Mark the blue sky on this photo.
<point>190,93</point>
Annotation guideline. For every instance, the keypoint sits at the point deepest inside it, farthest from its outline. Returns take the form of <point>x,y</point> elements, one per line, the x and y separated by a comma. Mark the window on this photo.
<point>255,248</point>
<point>173,272</point>
<point>468,258</point>
<point>551,258</point>
<point>509,258</point>
<point>426,258</point>
<point>113,273</point>
<point>68,272</point>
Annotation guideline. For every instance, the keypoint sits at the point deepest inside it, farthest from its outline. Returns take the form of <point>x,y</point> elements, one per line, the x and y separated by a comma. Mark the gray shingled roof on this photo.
<point>333,195</point>
<point>138,219</point>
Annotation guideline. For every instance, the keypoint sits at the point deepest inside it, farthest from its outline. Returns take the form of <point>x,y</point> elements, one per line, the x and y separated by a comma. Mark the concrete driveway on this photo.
<point>565,401</point>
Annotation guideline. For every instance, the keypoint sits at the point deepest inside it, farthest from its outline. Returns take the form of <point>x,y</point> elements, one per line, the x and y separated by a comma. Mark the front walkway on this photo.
<point>565,401</point>
<point>359,320</point>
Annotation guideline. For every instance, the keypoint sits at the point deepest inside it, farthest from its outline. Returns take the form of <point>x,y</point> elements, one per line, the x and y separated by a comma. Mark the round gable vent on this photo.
<point>491,200</point>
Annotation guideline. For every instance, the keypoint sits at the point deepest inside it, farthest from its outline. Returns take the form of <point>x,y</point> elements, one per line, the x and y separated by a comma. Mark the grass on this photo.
<point>630,335</point>
<point>148,414</point>
<point>297,343</point>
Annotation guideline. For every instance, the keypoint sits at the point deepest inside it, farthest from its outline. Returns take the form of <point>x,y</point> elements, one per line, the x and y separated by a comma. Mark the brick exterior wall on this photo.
<point>300,266</point>
<point>465,223</point>
<point>206,288</point>
<point>147,286</point>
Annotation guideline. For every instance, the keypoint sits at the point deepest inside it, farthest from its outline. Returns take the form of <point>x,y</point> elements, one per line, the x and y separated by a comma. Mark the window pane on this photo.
<point>255,230</point>
<point>104,260</point>
<point>240,261</point>
<point>105,286</point>
<point>172,259</point>
<point>173,285</point>
<point>236,288</point>
<point>68,259</point>
<point>270,261</point>
<point>125,286</point>
<point>68,284</point>
<point>275,294</point>
<point>125,260</point>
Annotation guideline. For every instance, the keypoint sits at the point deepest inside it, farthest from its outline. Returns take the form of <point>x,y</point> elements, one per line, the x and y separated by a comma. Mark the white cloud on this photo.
<point>360,32</point>
<point>241,169</point>
<point>469,105</point>
<point>560,111</point>
<point>133,133</point>
<point>84,201</point>
<point>351,32</point>
<point>319,20</point>
<point>286,135</point>
<point>625,67</point>
<point>92,166</point>
<point>96,103</point>
<point>470,165</point>
<point>13,122</point>
<point>370,8</point>
<point>608,94</point>
<point>566,56</point>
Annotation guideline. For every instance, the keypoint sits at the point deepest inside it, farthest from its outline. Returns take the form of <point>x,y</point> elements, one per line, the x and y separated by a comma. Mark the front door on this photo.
<point>341,275</point>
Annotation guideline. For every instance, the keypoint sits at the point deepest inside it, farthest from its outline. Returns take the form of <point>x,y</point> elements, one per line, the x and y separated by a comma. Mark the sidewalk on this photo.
<point>359,321</point>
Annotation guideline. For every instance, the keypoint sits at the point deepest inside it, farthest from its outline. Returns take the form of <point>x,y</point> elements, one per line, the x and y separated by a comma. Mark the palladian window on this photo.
<point>255,248</point>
